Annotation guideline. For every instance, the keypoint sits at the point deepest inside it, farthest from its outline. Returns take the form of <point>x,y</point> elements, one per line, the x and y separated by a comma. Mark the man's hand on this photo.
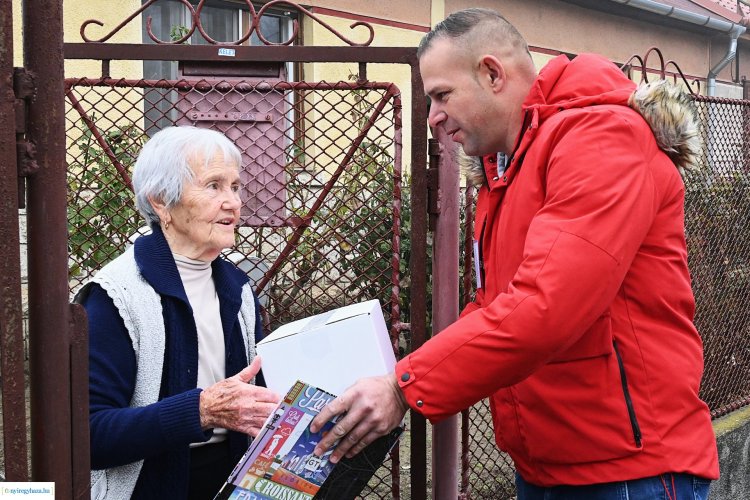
<point>236,404</point>
<point>374,406</point>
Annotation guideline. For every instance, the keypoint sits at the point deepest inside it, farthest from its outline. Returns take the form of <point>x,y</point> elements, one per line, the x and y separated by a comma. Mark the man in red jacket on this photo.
<point>581,332</point>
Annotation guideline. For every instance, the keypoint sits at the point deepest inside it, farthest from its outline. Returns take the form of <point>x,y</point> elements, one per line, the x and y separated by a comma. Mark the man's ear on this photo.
<point>492,72</point>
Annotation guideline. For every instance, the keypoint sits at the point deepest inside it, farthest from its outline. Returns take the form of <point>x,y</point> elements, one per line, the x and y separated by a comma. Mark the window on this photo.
<point>222,20</point>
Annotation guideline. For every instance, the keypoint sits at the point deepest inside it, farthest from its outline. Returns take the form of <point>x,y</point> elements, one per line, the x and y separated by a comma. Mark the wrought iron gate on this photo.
<point>328,208</point>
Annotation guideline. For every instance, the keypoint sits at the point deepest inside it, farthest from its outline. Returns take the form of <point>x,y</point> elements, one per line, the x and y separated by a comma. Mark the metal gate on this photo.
<point>328,208</point>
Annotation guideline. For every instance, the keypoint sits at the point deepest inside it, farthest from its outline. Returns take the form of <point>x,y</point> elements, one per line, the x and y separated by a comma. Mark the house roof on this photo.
<point>723,8</point>
<point>716,10</point>
<point>732,6</point>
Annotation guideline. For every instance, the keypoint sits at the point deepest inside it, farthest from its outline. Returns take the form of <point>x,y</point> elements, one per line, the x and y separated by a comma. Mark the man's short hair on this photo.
<point>471,25</point>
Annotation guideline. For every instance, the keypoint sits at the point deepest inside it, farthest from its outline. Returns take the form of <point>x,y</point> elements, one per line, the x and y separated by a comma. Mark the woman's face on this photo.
<point>202,224</point>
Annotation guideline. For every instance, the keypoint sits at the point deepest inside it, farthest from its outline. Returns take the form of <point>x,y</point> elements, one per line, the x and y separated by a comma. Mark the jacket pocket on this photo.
<point>597,341</point>
<point>628,400</point>
<point>574,410</point>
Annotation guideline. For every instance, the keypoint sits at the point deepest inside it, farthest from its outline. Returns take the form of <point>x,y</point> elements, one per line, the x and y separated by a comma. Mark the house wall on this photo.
<point>412,12</point>
<point>548,25</point>
<point>560,26</point>
<point>75,13</point>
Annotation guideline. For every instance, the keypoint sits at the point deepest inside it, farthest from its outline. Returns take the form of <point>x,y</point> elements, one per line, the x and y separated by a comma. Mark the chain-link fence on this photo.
<point>717,218</point>
<point>321,222</point>
<point>486,472</point>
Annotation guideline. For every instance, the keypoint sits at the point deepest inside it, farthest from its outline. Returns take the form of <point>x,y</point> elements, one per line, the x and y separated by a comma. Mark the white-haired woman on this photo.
<point>172,330</point>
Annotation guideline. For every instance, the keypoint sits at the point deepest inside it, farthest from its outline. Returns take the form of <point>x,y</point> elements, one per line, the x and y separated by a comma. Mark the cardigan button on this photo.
<point>420,403</point>
<point>495,178</point>
<point>405,377</point>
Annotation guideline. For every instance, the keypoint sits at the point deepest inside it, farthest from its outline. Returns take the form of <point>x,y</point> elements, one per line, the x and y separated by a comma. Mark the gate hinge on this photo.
<point>433,181</point>
<point>24,83</point>
<point>26,158</point>
<point>24,89</point>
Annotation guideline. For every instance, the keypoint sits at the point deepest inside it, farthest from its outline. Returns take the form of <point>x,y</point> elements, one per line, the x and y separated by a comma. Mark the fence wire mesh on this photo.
<point>321,183</point>
<point>717,218</point>
<point>488,473</point>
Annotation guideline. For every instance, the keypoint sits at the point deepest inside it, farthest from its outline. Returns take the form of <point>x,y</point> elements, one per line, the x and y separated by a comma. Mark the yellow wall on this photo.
<point>75,13</point>
<point>17,40</point>
<point>111,14</point>
<point>117,111</point>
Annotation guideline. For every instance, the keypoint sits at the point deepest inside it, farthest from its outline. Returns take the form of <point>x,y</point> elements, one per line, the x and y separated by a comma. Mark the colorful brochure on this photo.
<point>280,464</point>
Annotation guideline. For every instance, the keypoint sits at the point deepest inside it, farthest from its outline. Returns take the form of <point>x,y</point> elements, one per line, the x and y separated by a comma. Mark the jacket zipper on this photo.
<point>628,401</point>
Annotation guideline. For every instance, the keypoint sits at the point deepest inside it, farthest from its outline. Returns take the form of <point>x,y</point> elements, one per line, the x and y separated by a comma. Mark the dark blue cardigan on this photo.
<point>161,432</point>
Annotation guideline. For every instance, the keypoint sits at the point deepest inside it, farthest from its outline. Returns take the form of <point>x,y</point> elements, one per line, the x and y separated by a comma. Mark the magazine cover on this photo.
<point>280,464</point>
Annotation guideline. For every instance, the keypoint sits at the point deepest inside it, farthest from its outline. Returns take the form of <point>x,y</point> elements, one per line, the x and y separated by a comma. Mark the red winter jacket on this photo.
<point>582,335</point>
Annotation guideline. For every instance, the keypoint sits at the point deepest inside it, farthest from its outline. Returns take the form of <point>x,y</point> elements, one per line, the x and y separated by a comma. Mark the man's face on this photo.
<point>462,103</point>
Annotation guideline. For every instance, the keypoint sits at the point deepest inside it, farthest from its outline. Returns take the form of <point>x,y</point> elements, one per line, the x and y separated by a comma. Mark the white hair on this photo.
<point>164,164</point>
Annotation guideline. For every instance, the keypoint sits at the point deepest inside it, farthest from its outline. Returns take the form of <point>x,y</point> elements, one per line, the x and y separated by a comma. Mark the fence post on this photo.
<point>11,311</point>
<point>445,307</point>
<point>49,342</point>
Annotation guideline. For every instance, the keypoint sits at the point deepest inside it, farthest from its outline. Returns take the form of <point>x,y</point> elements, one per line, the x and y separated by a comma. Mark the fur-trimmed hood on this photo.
<point>667,108</point>
<point>670,112</point>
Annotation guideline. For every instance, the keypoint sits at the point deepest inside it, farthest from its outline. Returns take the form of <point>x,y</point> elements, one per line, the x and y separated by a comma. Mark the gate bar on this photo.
<point>49,343</point>
<point>264,53</point>
<point>418,267</point>
<point>11,314</point>
<point>79,383</point>
<point>395,331</point>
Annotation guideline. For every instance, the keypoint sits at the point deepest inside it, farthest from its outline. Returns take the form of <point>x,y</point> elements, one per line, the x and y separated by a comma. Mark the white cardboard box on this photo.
<point>330,350</point>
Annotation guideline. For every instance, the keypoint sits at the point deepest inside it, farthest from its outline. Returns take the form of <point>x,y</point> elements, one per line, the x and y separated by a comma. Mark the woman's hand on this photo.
<point>236,404</point>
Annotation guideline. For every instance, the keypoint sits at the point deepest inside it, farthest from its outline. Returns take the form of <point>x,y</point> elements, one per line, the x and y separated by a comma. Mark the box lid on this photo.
<point>320,320</point>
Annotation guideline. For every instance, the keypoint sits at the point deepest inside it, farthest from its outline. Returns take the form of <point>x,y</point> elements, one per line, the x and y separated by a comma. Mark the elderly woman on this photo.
<point>172,329</point>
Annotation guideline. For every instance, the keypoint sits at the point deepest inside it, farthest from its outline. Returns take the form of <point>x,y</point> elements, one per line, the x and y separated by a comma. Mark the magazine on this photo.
<point>280,463</point>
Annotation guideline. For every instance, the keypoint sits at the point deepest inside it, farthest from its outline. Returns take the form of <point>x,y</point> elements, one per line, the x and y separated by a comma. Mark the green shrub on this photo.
<point>101,209</point>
